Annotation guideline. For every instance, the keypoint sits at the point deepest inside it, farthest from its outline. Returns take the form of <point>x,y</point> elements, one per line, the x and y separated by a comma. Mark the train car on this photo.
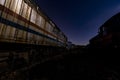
<point>21,21</point>
<point>27,34</point>
<point>108,35</point>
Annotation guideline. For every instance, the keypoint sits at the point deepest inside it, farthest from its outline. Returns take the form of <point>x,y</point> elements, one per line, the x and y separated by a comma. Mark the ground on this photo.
<point>79,64</point>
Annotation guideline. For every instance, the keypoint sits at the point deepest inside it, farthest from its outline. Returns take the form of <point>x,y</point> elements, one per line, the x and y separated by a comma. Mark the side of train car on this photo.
<point>108,35</point>
<point>21,21</point>
<point>27,35</point>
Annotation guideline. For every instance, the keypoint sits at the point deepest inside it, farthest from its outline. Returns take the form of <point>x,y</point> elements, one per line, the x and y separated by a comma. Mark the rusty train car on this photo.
<point>27,33</point>
<point>108,35</point>
<point>21,21</point>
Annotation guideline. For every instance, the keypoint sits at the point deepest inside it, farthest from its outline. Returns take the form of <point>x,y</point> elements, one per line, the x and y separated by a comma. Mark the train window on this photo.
<point>33,16</point>
<point>2,2</point>
<point>18,6</point>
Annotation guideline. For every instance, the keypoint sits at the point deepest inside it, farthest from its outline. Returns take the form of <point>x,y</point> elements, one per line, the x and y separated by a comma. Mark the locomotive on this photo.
<point>21,21</point>
<point>108,35</point>
<point>27,34</point>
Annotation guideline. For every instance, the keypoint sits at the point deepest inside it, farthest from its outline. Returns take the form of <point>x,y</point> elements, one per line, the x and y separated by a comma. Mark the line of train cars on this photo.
<point>108,35</point>
<point>26,30</point>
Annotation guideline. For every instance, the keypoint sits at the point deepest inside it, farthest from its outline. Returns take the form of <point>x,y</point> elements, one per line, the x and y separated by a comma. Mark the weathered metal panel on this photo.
<point>3,32</point>
<point>9,17</point>
<point>13,4</point>
<point>33,16</point>
<point>0,12</point>
<point>7,3</point>
<point>32,27</point>
<point>42,23</point>
<point>40,39</point>
<point>20,34</point>
<point>4,15</point>
<point>28,12</point>
<point>38,20</point>
<point>49,27</point>
<point>40,29</point>
<point>18,7</point>
<point>1,29</point>
<point>7,32</point>
<point>2,2</point>
<point>10,31</point>
<point>24,10</point>
<point>29,37</point>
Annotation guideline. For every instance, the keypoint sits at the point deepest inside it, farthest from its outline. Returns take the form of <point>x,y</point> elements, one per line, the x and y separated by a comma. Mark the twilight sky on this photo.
<point>79,19</point>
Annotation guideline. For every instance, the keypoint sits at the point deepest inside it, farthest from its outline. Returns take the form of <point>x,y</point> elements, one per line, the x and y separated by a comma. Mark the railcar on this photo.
<point>108,35</point>
<point>27,34</point>
<point>21,21</point>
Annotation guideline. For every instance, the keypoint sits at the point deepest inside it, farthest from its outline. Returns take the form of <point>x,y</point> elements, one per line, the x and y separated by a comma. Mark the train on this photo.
<point>27,35</point>
<point>108,34</point>
<point>21,21</point>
